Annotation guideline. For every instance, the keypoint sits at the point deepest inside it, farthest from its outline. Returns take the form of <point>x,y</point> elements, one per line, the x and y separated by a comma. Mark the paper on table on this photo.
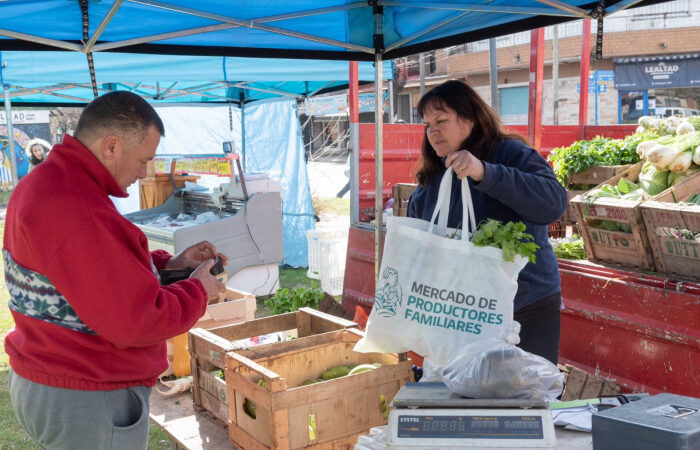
<point>574,418</point>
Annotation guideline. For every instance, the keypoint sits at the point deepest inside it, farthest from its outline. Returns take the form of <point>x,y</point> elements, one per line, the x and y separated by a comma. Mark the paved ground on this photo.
<point>326,178</point>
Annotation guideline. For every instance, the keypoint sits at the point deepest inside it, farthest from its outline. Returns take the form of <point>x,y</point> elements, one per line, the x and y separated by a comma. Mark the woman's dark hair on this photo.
<point>33,159</point>
<point>486,133</point>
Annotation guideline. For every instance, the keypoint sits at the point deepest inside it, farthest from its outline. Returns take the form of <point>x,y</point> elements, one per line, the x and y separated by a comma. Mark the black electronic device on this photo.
<point>169,276</point>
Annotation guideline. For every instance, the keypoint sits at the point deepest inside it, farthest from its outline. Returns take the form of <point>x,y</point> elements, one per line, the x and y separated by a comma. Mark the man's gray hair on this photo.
<point>117,111</point>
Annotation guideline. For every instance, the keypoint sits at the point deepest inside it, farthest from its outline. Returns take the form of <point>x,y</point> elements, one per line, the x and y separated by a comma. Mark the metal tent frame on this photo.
<point>371,30</point>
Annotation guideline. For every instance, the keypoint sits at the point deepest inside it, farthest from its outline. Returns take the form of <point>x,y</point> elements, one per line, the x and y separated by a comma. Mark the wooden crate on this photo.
<point>569,216</point>
<point>615,247</point>
<point>401,193</point>
<point>580,385</point>
<point>237,307</point>
<point>342,408</point>
<point>208,348</point>
<point>598,174</point>
<point>592,176</point>
<point>679,257</point>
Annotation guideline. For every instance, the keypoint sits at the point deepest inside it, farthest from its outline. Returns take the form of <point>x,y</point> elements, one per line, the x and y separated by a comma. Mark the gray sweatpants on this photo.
<point>69,419</point>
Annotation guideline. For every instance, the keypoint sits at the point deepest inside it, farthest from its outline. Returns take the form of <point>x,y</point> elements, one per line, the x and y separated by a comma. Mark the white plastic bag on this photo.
<point>435,294</point>
<point>495,369</point>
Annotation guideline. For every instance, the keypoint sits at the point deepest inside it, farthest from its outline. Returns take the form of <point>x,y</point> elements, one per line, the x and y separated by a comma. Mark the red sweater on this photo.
<point>61,223</point>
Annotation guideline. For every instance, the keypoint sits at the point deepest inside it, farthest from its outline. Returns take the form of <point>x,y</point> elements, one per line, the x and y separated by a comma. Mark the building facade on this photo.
<point>660,42</point>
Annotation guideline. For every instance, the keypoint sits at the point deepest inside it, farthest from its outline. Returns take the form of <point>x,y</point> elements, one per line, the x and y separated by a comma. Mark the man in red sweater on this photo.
<point>91,317</point>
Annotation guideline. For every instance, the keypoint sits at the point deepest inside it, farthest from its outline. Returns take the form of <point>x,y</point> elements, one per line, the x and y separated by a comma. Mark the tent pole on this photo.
<point>378,162</point>
<point>242,100</point>
<point>354,119</point>
<point>10,136</point>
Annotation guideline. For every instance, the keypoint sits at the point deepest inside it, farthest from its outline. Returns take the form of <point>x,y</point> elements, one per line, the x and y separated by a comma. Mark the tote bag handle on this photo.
<point>442,207</point>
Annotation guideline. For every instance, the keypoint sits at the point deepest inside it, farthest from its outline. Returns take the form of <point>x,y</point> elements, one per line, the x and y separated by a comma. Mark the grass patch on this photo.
<point>333,205</point>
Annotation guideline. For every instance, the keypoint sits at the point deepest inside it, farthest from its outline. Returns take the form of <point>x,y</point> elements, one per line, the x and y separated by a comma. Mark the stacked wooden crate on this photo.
<point>670,225</point>
<point>402,193</point>
<point>208,350</point>
<point>592,176</point>
<point>629,249</point>
<point>326,415</point>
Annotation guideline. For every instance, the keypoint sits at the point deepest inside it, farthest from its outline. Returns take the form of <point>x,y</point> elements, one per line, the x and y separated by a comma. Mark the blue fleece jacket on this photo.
<point>518,185</point>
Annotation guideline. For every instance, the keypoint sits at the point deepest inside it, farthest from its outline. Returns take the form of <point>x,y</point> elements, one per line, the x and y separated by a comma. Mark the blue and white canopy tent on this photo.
<point>370,30</point>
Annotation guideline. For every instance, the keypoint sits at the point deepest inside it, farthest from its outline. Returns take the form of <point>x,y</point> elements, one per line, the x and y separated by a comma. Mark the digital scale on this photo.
<point>428,415</point>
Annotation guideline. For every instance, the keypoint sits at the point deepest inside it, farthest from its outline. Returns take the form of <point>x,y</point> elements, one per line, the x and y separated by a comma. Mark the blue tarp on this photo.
<point>63,77</point>
<point>317,29</point>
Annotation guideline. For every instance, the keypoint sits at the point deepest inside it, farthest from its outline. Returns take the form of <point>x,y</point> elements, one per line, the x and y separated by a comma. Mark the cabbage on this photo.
<point>676,177</point>
<point>651,180</point>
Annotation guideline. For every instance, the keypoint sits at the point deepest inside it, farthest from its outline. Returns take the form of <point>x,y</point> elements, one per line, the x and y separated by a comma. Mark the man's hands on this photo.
<point>195,255</point>
<point>202,256</point>
<point>213,286</point>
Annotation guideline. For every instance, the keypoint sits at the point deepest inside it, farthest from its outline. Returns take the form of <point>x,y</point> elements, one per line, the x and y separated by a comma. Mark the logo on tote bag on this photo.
<point>388,296</point>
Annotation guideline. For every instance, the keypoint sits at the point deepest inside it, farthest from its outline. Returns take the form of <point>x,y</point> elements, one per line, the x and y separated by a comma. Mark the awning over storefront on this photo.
<point>657,72</point>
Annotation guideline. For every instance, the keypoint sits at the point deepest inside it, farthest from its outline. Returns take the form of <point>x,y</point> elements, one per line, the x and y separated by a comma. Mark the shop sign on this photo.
<point>657,74</point>
<point>26,117</point>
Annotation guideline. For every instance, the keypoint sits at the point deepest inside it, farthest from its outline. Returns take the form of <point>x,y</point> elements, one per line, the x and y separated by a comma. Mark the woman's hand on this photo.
<point>195,255</point>
<point>464,164</point>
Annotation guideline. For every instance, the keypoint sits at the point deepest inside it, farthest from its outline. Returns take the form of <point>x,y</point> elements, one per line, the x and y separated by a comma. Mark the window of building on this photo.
<point>403,112</point>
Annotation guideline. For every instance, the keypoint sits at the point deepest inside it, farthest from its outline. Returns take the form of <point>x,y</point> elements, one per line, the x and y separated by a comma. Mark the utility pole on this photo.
<point>421,71</point>
<point>555,72</point>
<point>493,76</point>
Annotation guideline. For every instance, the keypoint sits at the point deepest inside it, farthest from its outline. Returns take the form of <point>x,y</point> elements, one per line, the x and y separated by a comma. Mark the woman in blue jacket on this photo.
<point>509,182</point>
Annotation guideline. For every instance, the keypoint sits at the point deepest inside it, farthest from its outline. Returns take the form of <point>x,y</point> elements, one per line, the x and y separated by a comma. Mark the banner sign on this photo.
<point>201,165</point>
<point>366,102</point>
<point>657,73</point>
<point>327,106</point>
<point>26,117</point>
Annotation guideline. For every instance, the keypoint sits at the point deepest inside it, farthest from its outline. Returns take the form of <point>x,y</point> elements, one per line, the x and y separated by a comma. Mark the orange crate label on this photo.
<point>682,248</point>
<point>610,239</point>
<point>606,212</point>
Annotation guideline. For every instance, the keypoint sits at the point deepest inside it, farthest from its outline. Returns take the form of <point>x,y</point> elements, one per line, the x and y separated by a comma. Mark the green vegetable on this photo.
<point>311,381</point>
<point>509,237</point>
<point>653,181</point>
<point>598,151</point>
<point>362,368</point>
<point>336,372</point>
<point>694,121</point>
<point>693,200</point>
<point>249,408</point>
<point>312,427</point>
<point>570,250</point>
<point>219,374</point>
<point>676,177</point>
<point>288,300</point>
<point>385,413</point>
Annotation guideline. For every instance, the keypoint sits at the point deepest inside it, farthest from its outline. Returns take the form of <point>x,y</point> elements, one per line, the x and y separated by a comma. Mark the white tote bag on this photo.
<point>437,294</point>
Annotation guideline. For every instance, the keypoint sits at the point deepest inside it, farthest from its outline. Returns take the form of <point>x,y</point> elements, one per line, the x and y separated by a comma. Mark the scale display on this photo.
<point>469,427</point>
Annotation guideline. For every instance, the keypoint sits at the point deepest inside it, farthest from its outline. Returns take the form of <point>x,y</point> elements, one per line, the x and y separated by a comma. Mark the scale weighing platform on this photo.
<point>430,416</point>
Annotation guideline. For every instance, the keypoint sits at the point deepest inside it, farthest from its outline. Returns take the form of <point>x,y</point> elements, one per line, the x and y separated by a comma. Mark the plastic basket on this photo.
<point>314,238</point>
<point>333,252</point>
